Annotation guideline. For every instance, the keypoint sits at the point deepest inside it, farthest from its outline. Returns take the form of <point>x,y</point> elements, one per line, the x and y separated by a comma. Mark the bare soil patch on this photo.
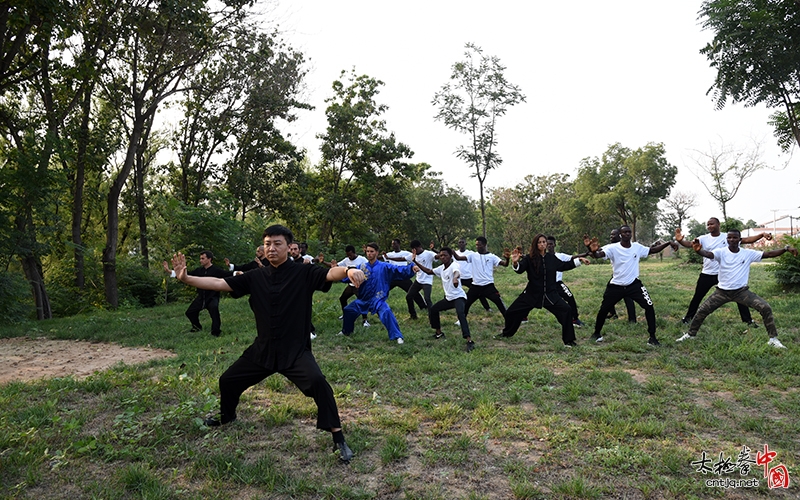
<point>24,359</point>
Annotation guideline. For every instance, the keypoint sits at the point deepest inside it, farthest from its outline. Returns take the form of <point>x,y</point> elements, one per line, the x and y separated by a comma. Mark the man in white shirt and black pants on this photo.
<point>624,257</point>
<point>734,273</point>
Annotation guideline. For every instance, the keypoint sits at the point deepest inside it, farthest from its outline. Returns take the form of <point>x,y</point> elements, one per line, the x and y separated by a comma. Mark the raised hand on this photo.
<point>356,277</point>
<point>515,255</point>
<point>696,245</point>
<point>506,253</point>
<point>179,265</point>
<point>678,234</point>
<point>165,266</point>
<point>227,263</point>
<point>768,236</point>
<point>594,244</point>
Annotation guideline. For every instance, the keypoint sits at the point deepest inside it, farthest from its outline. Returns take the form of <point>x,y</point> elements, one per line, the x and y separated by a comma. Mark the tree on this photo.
<point>723,169</point>
<point>477,96</point>
<point>358,156</point>
<point>448,214</point>
<point>678,207</point>
<point>756,52</point>
<point>626,184</point>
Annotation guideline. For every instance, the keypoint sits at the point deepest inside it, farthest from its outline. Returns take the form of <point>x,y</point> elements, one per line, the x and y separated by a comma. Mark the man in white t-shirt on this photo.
<point>483,264</point>
<point>734,273</point>
<point>624,257</point>
<point>399,257</point>
<point>454,296</point>
<point>709,274</point>
<point>424,281</point>
<point>466,270</point>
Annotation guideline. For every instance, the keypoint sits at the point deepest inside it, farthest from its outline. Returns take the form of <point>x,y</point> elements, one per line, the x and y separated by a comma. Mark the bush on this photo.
<point>16,302</point>
<point>139,286</point>
<point>787,266</point>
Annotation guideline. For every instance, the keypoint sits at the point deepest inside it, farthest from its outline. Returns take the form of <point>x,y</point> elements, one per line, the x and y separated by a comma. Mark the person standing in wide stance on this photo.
<point>624,257</point>
<point>734,273</point>
<point>280,297</point>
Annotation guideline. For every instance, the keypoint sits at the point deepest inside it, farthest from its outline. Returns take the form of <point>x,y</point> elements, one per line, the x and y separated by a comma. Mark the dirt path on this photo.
<point>24,359</point>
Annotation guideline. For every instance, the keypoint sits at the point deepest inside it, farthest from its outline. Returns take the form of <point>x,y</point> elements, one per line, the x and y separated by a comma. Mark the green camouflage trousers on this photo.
<point>741,296</point>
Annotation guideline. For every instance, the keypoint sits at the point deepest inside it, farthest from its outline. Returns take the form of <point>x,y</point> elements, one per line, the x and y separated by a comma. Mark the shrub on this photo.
<point>787,266</point>
<point>16,302</point>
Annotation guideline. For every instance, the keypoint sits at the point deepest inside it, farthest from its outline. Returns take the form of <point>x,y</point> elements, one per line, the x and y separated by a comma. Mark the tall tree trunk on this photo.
<point>112,231</point>
<point>483,208</point>
<point>80,180</point>
<point>141,206</point>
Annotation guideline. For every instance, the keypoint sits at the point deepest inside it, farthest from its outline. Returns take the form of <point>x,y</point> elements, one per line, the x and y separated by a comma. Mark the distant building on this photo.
<point>779,227</point>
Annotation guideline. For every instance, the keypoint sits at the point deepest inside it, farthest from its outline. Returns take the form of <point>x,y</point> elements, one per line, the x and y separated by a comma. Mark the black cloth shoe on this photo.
<point>653,342</point>
<point>686,320</point>
<point>216,422</point>
<point>438,335</point>
<point>345,453</point>
<point>752,324</point>
<point>470,345</point>
<point>571,344</point>
<point>216,334</point>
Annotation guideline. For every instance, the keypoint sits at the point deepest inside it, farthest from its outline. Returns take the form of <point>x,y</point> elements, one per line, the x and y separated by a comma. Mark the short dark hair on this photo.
<point>349,248</point>
<point>279,230</point>
<point>551,238</point>
<point>395,239</point>
<point>448,250</point>
<point>208,253</point>
<point>735,231</point>
<point>714,218</point>
<point>481,239</point>
<point>415,244</point>
<point>374,245</point>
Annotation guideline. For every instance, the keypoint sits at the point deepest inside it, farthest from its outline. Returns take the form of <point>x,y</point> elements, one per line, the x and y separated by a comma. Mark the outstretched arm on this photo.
<point>593,245</point>
<point>338,273</point>
<point>202,282</point>
<point>756,237</point>
<point>780,251</point>
<point>698,247</point>
<point>506,258</point>
<point>659,248</point>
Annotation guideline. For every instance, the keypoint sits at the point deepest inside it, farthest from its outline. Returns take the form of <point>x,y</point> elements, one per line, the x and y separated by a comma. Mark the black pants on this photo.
<point>638,293</point>
<point>412,295</point>
<point>489,291</point>
<point>565,293</point>
<point>197,305</point>
<point>405,285</point>
<point>468,284</point>
<point>443,305</point>
<point>520,308</point>
<point>349,291</point>
<point>305,374</point>
<point>706,282</point>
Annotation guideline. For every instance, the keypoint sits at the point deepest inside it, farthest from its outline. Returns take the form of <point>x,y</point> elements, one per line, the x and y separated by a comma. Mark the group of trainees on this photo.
<point>280,292</point>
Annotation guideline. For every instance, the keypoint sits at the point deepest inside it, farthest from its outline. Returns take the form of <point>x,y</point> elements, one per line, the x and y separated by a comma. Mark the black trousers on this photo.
<point>706,282</point>
<point>405,285</point>
<point>349,291</point>
<point>443,305</point>
<point>520,308</point>
<point>468,284</point>
<point>638,293</point>
<point>304,373</point>
<point>412,295</point>
<point>565,293</point>
<point>489,291</point>
<point>197,305</point>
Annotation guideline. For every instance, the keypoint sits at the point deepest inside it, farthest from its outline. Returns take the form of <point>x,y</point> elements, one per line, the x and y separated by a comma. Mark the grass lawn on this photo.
<point>519,418</point>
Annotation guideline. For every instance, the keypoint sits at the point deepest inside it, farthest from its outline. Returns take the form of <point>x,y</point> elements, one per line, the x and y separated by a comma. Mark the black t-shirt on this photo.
<point>280,298</point>
<point>210,271</point>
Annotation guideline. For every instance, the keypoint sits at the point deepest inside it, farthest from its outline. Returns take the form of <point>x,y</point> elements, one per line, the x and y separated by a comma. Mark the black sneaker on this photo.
<point>653,342</point>
<point>577,323</point>
<point>345,453</point>
<point>612,316</point>
<point>752,324</point>
<point>596,338</point>
<point>439,335</point>
<point>216,422</point>
<point>686,320</point>
<point>470,345</point>
<point>571,344</point>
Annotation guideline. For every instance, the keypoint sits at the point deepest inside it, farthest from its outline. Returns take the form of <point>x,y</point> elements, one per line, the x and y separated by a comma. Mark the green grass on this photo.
<point>519,418</point>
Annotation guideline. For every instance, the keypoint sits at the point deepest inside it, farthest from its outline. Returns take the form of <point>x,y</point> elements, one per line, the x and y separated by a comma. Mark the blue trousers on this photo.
<point>358,307</point>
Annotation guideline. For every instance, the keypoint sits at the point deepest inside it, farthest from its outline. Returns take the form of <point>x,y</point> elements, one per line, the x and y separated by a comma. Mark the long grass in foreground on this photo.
<point>519,418</point>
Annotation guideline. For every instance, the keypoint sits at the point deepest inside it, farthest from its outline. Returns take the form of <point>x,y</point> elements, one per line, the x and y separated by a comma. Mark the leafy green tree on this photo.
<point>447,213</point>
<point>476,98</point>
<point>359,158</point>
<point>756,53</point>
<point>625,183</point>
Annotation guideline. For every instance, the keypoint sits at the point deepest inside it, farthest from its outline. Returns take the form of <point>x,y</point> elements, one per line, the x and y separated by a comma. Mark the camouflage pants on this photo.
<point>741,296</point>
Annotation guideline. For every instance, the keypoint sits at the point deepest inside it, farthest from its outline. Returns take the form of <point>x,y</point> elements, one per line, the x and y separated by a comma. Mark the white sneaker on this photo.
<point>774,342</point>
<point>685,336</point>
<point>400,340</point>
<point>340,333</point>
<point>313,335</point>
<point>366,324</point>
<point>341,317</point>
<point>458,323</point>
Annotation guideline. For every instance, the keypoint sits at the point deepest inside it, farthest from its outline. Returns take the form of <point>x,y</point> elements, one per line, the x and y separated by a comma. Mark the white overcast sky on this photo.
<point>594,73</point>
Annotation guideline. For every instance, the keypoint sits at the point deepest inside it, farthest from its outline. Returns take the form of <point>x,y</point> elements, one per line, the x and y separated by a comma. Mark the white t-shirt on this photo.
<point>402,254</point>
<point>347,262</point>
<point>625,261</point>
<point>450,292</point>
<point>734,268</point>
<point>483,265</point>
<point>711,243</point>
<point>426,258</point>
<point>564,257</point>
<point>466,268</point>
